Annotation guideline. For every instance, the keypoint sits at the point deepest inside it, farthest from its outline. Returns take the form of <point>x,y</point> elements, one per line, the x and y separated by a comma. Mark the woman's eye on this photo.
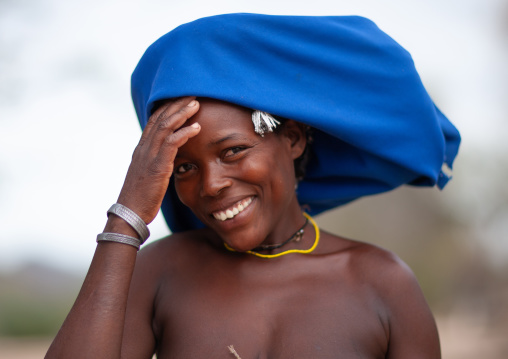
<point>183,168</point>
<point>233,151</point>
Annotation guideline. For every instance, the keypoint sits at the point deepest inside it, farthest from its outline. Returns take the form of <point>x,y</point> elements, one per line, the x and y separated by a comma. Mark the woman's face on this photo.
<point>236,182</point>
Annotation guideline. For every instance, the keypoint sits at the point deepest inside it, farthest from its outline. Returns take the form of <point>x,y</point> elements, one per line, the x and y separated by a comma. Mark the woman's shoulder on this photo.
<point>176,250</point>
<point>371,264</point>
<point>176,241</point>
<point>377,273</point>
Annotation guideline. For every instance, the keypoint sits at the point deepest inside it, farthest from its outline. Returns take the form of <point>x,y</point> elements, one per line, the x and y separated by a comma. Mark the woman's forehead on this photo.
<point>221,115</point>
<point>220,128</point>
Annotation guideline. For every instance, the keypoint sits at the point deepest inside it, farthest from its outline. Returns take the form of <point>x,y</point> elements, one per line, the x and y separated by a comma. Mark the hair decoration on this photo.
<point>263,122</point>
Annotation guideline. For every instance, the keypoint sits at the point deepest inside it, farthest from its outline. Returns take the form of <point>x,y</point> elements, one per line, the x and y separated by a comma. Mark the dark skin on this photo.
<point>186,296</point>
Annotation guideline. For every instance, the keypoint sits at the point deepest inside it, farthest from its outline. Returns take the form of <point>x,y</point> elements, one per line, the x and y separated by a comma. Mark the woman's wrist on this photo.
<point>132,219</point>
<point>116,224</point>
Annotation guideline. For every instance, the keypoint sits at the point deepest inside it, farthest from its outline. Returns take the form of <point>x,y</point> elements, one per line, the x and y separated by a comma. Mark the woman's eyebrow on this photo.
<point>232,136</point>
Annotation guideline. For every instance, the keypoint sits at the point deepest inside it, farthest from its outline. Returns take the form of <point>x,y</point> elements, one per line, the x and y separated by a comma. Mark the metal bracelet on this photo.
<point>132,218</point>
<point>119,238</point>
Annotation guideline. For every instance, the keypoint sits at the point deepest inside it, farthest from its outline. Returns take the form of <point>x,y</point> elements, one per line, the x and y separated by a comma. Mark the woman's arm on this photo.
<point>412,330</point>
<point>94,326</point>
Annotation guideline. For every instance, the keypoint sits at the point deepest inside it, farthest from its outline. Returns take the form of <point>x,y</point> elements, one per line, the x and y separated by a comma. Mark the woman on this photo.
<point>246,273</point>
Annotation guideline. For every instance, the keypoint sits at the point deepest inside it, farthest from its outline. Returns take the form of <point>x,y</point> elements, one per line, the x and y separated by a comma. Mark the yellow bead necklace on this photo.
<point>302,251</point>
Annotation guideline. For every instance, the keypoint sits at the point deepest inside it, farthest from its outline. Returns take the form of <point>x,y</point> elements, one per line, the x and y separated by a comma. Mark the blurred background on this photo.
<point>68,129</point>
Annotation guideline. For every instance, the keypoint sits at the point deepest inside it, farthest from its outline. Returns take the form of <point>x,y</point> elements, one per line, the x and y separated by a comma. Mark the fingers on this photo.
<point>168,118</point>
<point>170,123</point>
<point>164,163</point>
<point>153,159</point>
<point>164,135</point>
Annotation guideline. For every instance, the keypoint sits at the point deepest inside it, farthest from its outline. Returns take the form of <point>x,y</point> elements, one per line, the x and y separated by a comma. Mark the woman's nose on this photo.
<point>213,180</point>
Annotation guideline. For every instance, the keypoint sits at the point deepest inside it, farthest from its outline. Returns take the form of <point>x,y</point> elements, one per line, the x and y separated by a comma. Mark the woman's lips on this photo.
<point>232,211</point>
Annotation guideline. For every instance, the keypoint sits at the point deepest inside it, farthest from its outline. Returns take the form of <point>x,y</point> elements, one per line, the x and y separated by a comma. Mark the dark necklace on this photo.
<point>294,238</point>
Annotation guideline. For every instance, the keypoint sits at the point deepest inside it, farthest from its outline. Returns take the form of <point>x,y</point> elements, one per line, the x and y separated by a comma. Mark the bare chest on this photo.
<point>266,314</point>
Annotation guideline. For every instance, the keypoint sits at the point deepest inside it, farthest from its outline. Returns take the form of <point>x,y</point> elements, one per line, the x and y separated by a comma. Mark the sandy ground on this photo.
<point>462,337</point>
<point>23,348</point>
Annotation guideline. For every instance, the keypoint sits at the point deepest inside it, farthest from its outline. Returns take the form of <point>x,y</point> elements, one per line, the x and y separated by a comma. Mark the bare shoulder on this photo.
<point>175,243</point>
<point>400,302</point>
<point>379,268</point>
<point>174,252</point>
<point>377,263</point>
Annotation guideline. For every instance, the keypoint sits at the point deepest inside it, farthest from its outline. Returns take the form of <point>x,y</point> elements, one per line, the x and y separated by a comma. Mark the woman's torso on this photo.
<point>296,306</point>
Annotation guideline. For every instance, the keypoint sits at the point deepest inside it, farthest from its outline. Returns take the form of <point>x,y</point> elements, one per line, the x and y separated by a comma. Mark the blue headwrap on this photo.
<point>376,126</point>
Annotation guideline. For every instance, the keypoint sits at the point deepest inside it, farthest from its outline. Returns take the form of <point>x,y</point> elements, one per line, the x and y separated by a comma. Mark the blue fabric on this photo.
<point>376,126</point>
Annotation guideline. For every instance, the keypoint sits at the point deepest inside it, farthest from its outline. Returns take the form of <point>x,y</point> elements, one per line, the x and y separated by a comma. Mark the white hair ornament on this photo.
<point>263,122</point>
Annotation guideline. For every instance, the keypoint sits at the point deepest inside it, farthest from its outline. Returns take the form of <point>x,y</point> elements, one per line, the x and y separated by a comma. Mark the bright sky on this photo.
<point>68,128</point>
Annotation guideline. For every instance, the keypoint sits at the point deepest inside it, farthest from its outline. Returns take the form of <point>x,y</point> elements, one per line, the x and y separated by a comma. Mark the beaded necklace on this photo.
<point>294,238</point>
<point>302,251</point>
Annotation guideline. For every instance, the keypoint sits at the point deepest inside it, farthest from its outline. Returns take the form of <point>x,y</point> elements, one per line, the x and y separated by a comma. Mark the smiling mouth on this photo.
<point>233,210</point>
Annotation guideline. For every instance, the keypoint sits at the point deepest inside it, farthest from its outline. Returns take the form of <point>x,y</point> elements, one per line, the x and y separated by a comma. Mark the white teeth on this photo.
<point>230,213</point>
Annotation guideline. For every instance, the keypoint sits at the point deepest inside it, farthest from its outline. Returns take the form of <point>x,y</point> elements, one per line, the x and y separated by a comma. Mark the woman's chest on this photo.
<point>302,316</point>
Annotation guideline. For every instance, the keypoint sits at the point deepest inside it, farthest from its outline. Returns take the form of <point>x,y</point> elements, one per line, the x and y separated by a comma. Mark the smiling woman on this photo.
<point>230,177</point>
<point>247,273</point>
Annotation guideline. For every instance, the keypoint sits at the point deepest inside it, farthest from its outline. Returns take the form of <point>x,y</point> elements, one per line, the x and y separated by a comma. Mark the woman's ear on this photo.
<point>296,134</point>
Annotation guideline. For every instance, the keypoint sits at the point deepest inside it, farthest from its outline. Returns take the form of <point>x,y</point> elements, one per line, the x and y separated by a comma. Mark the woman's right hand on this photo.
<point>94,326</point>
<point>152,162</point>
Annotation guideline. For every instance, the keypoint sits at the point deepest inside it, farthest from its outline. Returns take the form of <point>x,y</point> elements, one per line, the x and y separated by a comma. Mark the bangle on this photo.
<point>132,219</point>
<point>119,238</point>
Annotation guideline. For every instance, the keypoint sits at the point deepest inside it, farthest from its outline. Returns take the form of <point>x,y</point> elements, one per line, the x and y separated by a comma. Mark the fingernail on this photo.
<point>192,103</point>
<point>195,125</point>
